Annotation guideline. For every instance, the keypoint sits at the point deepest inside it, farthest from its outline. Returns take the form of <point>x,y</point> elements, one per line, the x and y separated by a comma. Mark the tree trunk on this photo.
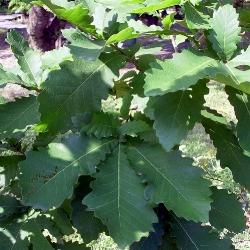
<point>43,29</point>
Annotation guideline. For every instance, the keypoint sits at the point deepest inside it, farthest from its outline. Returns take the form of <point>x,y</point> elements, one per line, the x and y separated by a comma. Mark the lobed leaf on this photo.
<point>118,200</point>
<point>53,171</point>
<point>176,183</point>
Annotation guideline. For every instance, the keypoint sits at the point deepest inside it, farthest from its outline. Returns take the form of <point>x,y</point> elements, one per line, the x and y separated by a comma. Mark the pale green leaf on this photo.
<point>154,5</point>
<point>225,31</point>
<point>28,60</point>
<point>242,59</point>
<point>53,58</point>
<point>49,175</point>
<point>179,73</point>
<point>118,200</point>
<point>8,77</point>
<point>81,46</point>
<point>176,183</point>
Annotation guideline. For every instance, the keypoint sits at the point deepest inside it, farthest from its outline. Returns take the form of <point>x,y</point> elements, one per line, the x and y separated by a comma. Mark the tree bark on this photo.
<point>43,29</point>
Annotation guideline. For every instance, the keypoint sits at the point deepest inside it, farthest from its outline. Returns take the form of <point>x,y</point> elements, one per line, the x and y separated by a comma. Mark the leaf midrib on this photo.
<point>67,166</point>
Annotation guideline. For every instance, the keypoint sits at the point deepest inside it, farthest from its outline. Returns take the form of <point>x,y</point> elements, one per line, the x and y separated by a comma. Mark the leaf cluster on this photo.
<point>102,152</point>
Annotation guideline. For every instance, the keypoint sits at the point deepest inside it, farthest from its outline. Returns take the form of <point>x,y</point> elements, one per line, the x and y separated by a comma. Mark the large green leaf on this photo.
<point>226,212</point>
<point>78,87</point>
<point>193,236</point>
<point>179,73</point>
<point>118,200</point>
<point>16,116</point>
<point>176,183</point>
<point>48,175</point>
<point>225,31</point>
<point>229,151</point>
<point>241,104</point>
<point>176,113</point>
<point>28,60</point>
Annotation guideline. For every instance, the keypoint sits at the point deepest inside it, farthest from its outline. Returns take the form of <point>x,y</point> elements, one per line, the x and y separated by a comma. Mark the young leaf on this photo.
<point>176,182</point>
<point>226,211</point>
<point>28,60</point>
<point>125,34</point>
<point>225,31</point>
<point>193,236</point>
<point>241,104</point>
<point>48,175</point>
<point>176,113</point>
<point>102,125</point>
<point>118,200</point>
<point>229,151</point>
<point>132,128</point>
<point>16,116</point>
<point>77,88</point>
<point>179,73</point>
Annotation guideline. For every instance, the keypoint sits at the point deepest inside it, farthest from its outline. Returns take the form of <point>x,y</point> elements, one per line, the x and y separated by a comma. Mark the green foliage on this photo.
<point>95,148</point>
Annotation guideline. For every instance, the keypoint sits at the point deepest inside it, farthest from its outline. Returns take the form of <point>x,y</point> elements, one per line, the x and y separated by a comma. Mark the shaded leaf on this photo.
<point>16,116</point>
<point>226,211</point>
<point>229,152</point>
<point>102,125</point>
<point>176,113</point>
<point>193,236</point>
<point>176,182</point>
<point>118,189</point>
<point>55,170</point>
<point>241,104</point>
<point>77,88</point>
